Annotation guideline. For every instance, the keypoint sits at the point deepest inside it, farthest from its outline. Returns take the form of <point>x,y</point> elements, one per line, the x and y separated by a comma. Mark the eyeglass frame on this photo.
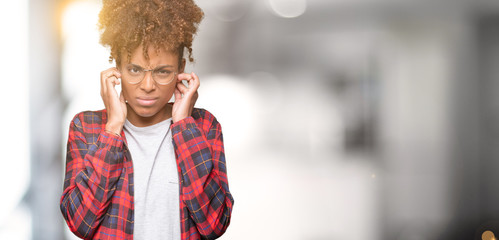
<point>152,74</point>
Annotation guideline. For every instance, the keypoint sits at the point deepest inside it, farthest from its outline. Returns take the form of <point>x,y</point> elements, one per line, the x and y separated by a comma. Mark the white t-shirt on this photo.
<point>156,187</point>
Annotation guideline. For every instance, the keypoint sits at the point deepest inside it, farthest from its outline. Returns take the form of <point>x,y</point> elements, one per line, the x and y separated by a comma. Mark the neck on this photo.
<point>141,121</point>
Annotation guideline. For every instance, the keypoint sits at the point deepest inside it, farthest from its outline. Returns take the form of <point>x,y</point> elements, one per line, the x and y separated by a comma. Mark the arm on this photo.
<point>204,188</point>
<point>92,171</point>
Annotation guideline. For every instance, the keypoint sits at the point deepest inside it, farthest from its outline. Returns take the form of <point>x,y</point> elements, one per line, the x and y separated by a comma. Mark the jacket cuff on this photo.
<point>112,140</point>
<point>186,123</point>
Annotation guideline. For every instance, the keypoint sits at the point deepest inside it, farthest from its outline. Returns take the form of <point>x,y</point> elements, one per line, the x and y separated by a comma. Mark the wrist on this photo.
<point>176,117</point>
<point>114,128</point>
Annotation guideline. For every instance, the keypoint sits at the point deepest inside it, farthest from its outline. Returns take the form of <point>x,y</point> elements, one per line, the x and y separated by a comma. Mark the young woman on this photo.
<point>144,168</point>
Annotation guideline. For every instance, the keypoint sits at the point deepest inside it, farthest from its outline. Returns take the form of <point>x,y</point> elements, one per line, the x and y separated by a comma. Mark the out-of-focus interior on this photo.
<point>342,119</point>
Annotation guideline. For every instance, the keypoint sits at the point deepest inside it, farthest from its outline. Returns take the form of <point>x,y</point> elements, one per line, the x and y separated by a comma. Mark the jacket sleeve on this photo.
<point>93,166</point>
<point>204,188</point>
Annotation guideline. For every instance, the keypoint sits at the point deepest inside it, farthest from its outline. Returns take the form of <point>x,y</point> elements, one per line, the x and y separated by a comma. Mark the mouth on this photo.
<point>146,101</point>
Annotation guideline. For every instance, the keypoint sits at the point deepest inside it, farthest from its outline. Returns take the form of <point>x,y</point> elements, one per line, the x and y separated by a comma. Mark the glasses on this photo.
<point>162,75</point>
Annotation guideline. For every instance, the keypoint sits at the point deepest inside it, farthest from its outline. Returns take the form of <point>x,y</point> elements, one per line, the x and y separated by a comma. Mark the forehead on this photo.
<point>154,57</point>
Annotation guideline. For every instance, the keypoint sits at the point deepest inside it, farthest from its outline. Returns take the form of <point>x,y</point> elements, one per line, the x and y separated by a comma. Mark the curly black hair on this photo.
<point>128,24</point>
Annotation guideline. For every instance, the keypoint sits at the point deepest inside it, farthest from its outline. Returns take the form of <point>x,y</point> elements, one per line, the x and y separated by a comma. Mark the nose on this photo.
<point>148,83</point>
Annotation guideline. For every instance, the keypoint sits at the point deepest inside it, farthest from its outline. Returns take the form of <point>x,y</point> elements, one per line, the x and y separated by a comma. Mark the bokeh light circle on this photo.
<point>288,8</point>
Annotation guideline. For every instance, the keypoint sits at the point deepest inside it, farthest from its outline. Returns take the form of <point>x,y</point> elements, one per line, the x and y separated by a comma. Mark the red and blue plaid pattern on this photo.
<point>97,201</point>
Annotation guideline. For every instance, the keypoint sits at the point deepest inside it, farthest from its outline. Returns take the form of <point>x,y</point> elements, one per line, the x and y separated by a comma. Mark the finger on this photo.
<point>183,76</point>
<point>113,71</point>
<point>194,83</point>
<point>105,77</point>
<point>178,95</point>
<point>110,84</point>
<point>182,88</point>
<point>195,76</point>
<point>112,76</point>
<point>112,80</point>
<point>110,72</point>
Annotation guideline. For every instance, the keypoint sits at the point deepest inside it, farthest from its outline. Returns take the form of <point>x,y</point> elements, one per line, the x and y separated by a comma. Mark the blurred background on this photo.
<point>342,119</point>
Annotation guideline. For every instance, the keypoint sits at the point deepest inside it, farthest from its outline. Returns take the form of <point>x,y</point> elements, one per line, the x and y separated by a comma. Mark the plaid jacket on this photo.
<point>97,201</point>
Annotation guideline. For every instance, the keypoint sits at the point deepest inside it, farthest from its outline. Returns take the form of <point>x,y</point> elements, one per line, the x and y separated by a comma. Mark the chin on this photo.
<point>145,112</point>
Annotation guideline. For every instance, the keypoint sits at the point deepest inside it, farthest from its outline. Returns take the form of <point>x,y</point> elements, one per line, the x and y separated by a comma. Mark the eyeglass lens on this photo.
<point>162,75</point>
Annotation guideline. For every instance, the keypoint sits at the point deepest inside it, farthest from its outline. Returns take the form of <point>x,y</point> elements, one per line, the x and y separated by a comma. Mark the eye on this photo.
<point>134,69</point>
<point>163,72</point>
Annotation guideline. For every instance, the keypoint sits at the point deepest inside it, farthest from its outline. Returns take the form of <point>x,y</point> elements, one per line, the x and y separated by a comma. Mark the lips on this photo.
<point>146,101</point>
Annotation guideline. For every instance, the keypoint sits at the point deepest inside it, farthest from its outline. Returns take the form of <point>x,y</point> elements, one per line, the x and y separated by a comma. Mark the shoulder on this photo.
<point>201,115</point>
<point>93,119</point>
<point>206,121</point>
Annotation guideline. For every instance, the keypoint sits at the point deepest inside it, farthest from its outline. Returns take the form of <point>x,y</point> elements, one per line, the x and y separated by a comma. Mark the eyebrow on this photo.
<point>157,67</point>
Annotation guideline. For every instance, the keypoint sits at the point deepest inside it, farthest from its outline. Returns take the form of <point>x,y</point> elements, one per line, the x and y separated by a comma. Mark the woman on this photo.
<point>144,168</point>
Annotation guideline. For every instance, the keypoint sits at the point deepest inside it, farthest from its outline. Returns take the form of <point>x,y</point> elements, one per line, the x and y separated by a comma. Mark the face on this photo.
<point>147,99</point>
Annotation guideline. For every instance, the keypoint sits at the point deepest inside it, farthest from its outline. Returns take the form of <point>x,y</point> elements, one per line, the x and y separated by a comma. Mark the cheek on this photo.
<point>126,90</point>
<point>167,94</point>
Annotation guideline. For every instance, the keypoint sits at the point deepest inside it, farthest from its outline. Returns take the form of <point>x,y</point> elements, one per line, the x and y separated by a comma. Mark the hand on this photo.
<point>185,97</point>
<point>115,105</point>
